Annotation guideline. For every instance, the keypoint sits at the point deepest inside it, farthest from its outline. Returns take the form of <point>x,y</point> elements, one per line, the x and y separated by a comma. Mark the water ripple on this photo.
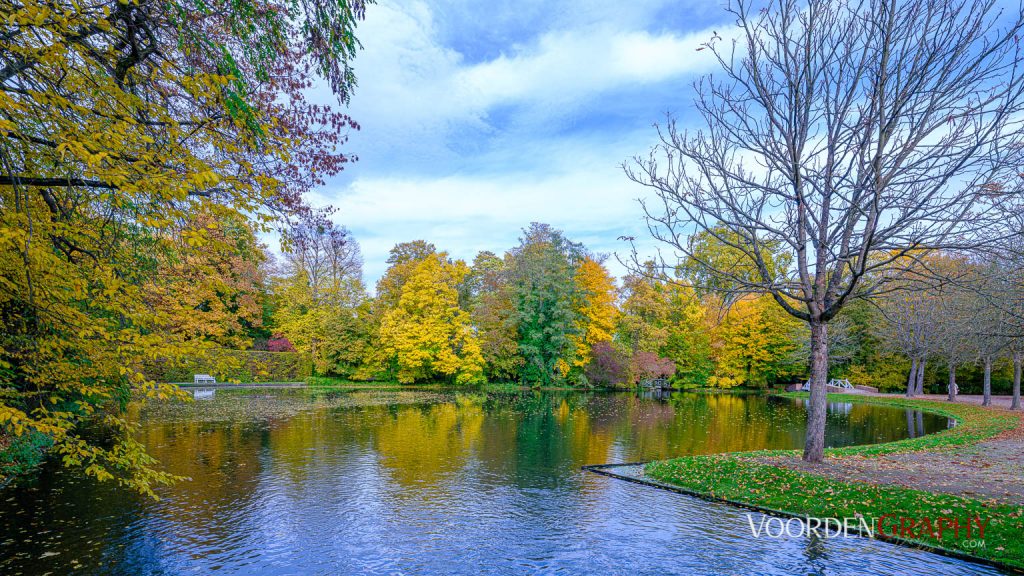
<point>438,484</point>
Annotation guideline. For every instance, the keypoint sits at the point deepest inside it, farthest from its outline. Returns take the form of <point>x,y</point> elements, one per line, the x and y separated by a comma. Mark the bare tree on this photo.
<point>855,136</point>
<point>1012,297</point>
<point>1016,339</point>
<point>1017,353</point>
<point>1008,298</point>
<point>956,330</point>
<point>911,321</point>
<point>325,254</point>
<point>999,291</point>
<point>992,325</point>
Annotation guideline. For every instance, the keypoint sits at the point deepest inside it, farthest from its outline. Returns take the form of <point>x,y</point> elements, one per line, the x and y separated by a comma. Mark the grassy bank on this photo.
<point>745,478</point>
<point>974,424</point>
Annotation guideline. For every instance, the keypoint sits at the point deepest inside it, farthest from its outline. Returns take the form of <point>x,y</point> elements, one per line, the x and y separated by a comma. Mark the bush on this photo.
<point>19,454</point>
<point>280,344</point>
<point>648,365</point>
<point>887,375</point>
<point>607,365</point>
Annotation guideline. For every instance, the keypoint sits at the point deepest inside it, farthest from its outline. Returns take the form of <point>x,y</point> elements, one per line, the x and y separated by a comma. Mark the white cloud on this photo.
<point>435,163</point>
<point>415,95</point>
<point>588,198</point>
<point>578,64</point>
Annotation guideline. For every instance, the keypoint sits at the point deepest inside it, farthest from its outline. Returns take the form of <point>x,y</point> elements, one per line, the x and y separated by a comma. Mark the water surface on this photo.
<point>409,482</point>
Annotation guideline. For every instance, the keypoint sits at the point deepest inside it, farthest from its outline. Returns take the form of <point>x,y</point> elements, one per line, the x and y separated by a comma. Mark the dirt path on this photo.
<point>993,469</point>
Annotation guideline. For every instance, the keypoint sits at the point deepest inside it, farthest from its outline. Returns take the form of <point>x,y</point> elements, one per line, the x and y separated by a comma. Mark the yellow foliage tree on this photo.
<point>129,131</point>
<point>322,307</point>
<point>212,295</point>
<point>595,308</point>
<point>427,335</point>
<point>645,313</point>
<point>754,344</point>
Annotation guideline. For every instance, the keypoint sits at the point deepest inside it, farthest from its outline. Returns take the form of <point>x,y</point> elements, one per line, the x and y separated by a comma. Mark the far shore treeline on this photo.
<point>545,313</point>
<point>548,312</point>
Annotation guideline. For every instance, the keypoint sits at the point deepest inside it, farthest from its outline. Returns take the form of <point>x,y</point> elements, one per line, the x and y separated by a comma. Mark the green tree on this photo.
<point>688,342</point>
<point>544,293</point>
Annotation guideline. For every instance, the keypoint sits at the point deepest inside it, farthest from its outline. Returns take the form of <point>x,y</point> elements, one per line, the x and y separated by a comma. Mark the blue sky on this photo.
<point>478,118</point>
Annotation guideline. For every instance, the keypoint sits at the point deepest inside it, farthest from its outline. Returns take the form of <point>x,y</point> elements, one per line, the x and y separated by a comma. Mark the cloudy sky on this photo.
<point>479,118</point>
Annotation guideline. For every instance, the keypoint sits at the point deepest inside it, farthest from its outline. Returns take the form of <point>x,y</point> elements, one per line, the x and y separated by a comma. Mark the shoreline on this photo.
<point>633,472</point>
<point>754,480</point>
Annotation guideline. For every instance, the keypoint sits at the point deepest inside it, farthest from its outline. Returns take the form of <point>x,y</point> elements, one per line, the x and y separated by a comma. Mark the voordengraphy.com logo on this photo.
<point>972,529</point>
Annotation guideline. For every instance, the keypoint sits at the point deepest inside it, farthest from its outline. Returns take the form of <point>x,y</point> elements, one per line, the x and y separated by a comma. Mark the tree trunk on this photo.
<point>987,387</point>
<point>920,376</point>
<point>814,448</point>
<point>1017,360</point>
<point>912,380</point>
<point>911,424</point>
<point>952,383</point>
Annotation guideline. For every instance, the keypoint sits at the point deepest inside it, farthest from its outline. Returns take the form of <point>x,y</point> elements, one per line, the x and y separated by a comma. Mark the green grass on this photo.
<point>737,478</point>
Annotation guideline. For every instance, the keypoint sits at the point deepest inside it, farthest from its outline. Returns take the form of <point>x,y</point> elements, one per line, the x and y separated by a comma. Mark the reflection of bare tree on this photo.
<point>816,549</point>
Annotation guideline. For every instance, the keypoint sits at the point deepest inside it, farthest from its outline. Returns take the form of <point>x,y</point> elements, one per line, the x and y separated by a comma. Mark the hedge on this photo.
<point>233,366</point>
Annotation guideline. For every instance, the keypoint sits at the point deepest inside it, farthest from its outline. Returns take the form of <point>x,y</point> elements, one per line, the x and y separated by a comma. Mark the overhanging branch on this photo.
<point>6,180</point>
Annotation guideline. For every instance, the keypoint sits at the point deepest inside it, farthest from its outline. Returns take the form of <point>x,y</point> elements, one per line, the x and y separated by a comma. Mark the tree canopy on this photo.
<point>142,145</point>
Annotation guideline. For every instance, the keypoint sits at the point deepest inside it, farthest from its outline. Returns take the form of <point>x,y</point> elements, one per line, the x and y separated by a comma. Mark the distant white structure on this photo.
<point>835,382</point>
<point>203,379</point>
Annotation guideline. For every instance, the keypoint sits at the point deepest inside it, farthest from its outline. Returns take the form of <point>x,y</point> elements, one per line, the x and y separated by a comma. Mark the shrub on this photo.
<point>19,454</point>
<point>607,365</point>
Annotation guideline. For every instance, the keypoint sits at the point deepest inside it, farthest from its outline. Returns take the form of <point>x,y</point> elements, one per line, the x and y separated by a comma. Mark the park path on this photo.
<point>1003,402</point>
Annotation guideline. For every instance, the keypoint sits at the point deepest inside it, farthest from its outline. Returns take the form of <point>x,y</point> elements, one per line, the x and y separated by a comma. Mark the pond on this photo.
<point>415,482</point>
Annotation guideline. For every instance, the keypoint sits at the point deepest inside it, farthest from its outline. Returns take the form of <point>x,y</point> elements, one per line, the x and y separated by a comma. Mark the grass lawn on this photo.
<point>741,478</point>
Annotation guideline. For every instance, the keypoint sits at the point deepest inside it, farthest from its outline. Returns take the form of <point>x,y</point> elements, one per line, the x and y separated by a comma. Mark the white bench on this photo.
<point>203,379</point>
